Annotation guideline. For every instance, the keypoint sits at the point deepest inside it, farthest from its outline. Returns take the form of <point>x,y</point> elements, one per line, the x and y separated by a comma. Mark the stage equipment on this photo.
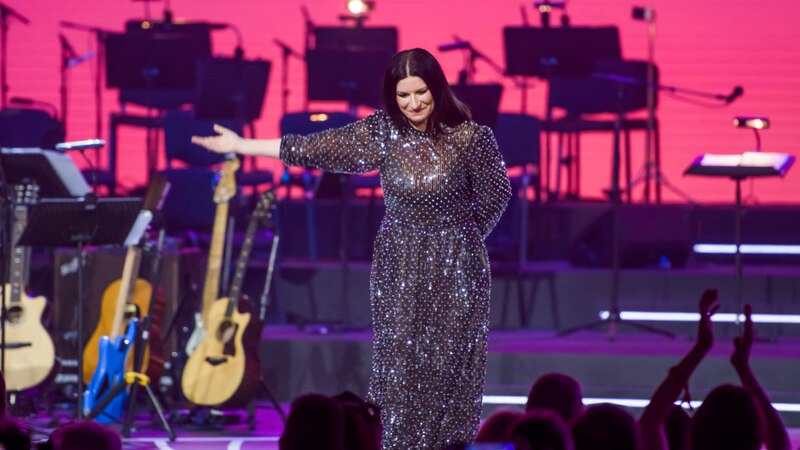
<point>738,168</point>
<point>558,53</point>
<point>348,64</point>
<point>224,369</point>
<point>615,197</point>
<point>24,338</point>
<point>358,11</point>
<point>286,52</point>
<point>546,8</point>
<point>6,13</point>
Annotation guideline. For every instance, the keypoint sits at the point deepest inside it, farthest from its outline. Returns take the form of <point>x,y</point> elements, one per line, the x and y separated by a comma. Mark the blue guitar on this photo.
<point>111,362</point>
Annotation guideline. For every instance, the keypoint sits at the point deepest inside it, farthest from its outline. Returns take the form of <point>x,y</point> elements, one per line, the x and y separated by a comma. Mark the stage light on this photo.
<point>359,7</point>
<point>664,316</point>
<point>629,402</point>
<point>755,123</point>
<point>748,249</point>
<point>319,117</point>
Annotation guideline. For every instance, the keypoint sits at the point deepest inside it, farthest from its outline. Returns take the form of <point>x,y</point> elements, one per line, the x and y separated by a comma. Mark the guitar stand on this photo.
<point>134,379</point>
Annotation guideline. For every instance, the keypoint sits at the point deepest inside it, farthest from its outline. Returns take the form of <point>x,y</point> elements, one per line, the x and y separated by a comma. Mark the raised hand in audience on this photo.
<point>775,436</point>
<point>651,423</point>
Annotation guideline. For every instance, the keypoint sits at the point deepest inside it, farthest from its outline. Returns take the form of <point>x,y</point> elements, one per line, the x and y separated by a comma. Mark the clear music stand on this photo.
<point>739,167</point>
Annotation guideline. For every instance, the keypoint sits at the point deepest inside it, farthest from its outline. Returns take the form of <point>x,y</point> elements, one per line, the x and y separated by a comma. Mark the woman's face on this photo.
<point>415,101</point>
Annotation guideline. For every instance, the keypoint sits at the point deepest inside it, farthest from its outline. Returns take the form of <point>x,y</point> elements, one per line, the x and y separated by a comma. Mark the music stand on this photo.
<point>57,222</point>
<point>352,75</point>
<point>54,172</point>
<point>739,167</point>
<point>548,52</point>
<point>230,88</point>
<point>154,69</point>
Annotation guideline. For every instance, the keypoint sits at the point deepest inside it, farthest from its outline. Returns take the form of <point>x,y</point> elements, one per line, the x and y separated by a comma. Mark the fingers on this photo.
<point>220,129</point>
<point>707,300</point>
<point>748,322</point>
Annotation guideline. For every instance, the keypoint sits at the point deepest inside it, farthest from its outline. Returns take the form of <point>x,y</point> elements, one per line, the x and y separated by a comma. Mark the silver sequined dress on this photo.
<point>430,281</point>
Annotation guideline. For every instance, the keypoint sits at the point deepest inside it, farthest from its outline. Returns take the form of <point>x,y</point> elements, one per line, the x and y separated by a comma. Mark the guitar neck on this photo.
<point>241,263</point>
<point>211,286</point>
<point>129,273</point>
<point>19,255</point>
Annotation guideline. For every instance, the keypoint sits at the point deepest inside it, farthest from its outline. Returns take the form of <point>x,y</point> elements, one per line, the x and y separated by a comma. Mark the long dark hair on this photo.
<point>416,62</point>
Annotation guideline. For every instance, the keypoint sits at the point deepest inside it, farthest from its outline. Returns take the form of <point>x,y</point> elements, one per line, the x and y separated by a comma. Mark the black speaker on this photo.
<point>649,235</point>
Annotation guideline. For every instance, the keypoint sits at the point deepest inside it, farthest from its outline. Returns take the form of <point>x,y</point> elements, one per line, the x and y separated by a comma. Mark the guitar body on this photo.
<point>30,354</point>
<point>224,369</point>
<point>112,359</point>
<point>140,299</point>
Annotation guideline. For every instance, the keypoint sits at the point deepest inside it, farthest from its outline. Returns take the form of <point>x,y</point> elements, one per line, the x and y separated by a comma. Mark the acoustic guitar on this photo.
<point>133,294</point>
<point>30,354</point>
<point>224,191</point>
<point>224,369</point>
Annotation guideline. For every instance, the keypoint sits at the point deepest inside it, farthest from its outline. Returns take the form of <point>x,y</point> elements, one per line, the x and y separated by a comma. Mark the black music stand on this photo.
<point>230,88</point>
<point>351,75</point>
<point>80,222</point>
<point>557,52</point>
<point>739,167</point>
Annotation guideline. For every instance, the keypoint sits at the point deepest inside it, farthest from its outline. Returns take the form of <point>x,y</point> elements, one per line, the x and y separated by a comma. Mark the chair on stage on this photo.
<point>518,138</point>
<point>617,87</point>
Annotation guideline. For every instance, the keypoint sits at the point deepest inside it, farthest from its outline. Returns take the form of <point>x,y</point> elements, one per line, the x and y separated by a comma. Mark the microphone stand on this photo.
<point>5,13</point>
<point>658,177</point>
<point>100,62</point>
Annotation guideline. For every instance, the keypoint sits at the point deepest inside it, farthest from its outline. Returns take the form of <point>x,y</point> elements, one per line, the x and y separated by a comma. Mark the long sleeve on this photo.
<point>355,148</point>
<point>491,189</point>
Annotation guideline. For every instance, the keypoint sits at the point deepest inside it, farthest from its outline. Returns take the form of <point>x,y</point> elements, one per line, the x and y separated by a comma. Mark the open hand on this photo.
<point>226,141</point>
<point>742,344</point>
<point>708,306</point>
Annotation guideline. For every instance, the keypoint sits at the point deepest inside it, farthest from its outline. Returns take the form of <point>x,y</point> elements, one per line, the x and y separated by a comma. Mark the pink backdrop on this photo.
<point>708,45</point>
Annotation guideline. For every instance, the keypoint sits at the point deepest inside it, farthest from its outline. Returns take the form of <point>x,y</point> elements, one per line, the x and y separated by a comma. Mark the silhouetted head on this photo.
<point>676,428</point>
<point>604,427</point>
<point>498,426</point>
<point>14,435</point>
<point>85,435</point>
<point>728,419</point>
<point>542,429</point>
<point>559,392</point>
<point>315,421</point>
<point>362,430</point>
<point>419,70</point>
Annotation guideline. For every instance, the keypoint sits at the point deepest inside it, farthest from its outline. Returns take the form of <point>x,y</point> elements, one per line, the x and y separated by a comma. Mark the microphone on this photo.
<point>80,145</point>
<point>737,92</point>
<point>457,45</point>
<point>286,49</point>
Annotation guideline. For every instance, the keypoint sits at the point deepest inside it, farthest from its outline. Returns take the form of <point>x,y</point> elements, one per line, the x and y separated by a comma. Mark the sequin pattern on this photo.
<point>430,280</point>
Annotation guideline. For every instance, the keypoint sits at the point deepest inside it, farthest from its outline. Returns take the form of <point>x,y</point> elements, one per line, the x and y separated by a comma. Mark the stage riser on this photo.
<point>580,295</point>
<point>306,362</point>
<point>555,228</point>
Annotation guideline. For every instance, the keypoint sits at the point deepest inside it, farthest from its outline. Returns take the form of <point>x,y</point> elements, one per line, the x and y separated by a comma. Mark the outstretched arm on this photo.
<point>227,141</point>
<point>651,423</point>
<point>775,436</point>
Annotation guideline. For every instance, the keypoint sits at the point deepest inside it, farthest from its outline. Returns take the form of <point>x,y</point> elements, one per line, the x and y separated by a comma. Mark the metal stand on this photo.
<point>614,319</point>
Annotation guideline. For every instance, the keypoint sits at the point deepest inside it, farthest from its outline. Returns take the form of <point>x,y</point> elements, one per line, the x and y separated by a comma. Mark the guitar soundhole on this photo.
<point>15,314</point>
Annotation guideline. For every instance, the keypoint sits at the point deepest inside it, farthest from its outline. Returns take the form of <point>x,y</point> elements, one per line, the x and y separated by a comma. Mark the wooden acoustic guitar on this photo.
<point>129,297</point>
<point>30,354</point>
<point>225,190</point>
<point>224,369</point>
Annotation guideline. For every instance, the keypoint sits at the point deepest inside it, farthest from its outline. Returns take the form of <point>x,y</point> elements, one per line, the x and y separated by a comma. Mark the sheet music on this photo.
<point>747,159</point>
